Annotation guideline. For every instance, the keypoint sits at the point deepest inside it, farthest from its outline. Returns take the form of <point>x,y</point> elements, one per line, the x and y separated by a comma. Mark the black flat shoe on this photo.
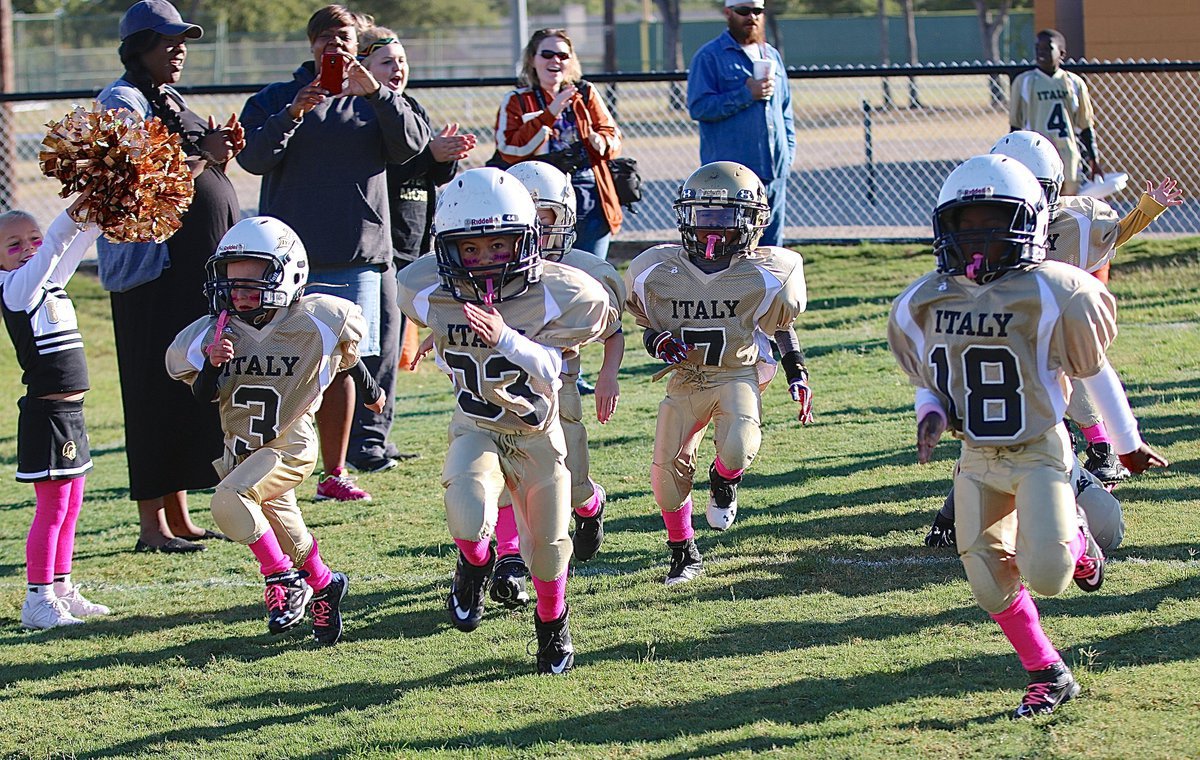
<point>207,535</point>
<point>173,546</point>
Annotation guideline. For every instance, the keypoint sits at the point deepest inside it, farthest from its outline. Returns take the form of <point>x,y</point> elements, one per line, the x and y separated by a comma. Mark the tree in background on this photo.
<point>991,23</point>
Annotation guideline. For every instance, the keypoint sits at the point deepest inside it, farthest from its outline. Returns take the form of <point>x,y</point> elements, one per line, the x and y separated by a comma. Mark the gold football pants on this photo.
<point>480,463</point>
<point>1015,516</point>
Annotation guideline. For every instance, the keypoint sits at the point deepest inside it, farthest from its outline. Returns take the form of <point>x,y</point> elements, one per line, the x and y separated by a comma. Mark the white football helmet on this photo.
<point>486,202</point>
<point>1040,157</point>
<point>550,189</point>
<point>966,246</point>
<point>285,271</point>
<point>721,199</point>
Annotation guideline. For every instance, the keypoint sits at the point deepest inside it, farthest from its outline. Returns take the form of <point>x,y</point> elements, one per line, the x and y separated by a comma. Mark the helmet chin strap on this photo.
<point>712,243</point>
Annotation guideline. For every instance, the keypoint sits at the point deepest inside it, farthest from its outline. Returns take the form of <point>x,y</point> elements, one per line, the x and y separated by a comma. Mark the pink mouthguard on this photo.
<point>712,243</point>
<point>975,266</point>
<point>219,330</point>
<point>490,296</point>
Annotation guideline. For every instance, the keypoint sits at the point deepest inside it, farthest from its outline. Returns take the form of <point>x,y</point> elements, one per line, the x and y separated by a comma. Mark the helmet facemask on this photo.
<point>711,232</point>
<point>491,283</point>
<point>984,251</point>
<point>219,286</point>
<point>556,237</point>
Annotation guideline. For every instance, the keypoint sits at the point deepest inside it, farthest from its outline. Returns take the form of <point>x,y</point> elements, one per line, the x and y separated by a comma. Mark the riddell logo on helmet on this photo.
<point>986,191</point>
<point>484,220</point>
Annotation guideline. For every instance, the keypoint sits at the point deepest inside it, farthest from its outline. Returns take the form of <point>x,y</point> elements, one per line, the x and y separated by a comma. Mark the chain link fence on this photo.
<point>873,145</point>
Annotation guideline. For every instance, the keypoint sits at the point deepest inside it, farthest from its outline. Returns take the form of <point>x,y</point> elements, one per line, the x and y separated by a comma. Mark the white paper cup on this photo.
<point>764,68</point>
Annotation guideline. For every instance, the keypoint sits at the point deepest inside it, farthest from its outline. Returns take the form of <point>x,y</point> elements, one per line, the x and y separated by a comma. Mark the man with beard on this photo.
<point>738,91</point>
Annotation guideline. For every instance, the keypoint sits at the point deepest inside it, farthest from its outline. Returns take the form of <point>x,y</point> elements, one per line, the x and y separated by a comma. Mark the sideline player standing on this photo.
<point>288,349</point>
<point>989,340</point>
<point>708,307</point>
<point>501,319</point>
<point>554,199</point>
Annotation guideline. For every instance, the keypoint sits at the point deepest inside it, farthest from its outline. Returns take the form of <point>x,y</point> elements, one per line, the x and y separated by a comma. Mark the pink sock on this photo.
<point>476,552</point>
<point>725,472</point>
<point>66,534</point>
<point>53,503</point>
<point>1096,433</point>
<point>679,522</point>
<point>1078,545</point>
<point>1024,631</point>
<point>318,571</point>
<point>592,506</point>
<point>271,558</point>
<point>551,598</point>
<point>507,540</point>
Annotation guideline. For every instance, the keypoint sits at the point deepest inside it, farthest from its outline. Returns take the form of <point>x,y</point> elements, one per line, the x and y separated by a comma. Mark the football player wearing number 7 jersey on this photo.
<point>990,341</point>
<point>707,308</point>
<point>501,319</point>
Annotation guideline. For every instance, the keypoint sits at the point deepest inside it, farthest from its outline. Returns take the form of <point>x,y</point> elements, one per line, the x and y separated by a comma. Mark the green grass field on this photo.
<point>822,627</point>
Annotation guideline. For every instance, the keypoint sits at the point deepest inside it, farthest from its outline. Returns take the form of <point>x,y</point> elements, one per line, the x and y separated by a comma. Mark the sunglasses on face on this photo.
<point>743,10</point>
<point>550,55</point>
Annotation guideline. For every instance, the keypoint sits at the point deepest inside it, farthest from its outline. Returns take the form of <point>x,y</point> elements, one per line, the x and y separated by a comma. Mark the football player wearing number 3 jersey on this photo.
<point>707,308</point>
<point>501,319</point>
<point>990,341</point>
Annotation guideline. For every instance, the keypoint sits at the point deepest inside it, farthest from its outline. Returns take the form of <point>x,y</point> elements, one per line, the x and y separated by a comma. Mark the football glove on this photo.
<point>666,347</point>
<point>797,375</point>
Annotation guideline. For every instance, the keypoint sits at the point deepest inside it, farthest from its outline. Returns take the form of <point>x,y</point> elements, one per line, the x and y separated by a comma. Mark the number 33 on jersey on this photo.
<point>997,355</point>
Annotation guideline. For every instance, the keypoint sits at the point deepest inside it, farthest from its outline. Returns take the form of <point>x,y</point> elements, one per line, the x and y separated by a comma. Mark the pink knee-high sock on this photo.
<point>507,540</point>
<point>724,471</point>
<point>592,506</point>
<point>551,598</point>
<point>679,522</point>
<point>1023,629</point>
<point>66,534</point>
<point>53,503</point>
<point>318,571</point>
<point>1096,433</point>
<point>476,552</point>
<point>271,558</point>
<point>1078,546</point>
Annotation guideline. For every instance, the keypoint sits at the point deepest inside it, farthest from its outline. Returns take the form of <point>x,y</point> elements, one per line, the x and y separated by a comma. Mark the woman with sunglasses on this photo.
<point>555,116</point>
<point>738,91</point>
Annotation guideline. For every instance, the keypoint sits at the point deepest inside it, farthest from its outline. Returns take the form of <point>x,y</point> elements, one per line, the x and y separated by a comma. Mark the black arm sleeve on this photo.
<point>650,340</point>
<point>791,355</point>
<point>205,386</point>
<point>366,385</point>
<point>1087,144</point>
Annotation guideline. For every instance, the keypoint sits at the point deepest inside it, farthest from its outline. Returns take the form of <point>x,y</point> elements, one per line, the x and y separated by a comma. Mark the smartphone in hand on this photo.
<point>333,71</point>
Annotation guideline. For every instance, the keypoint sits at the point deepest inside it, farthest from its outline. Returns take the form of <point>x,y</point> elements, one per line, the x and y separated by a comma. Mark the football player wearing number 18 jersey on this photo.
<point>501,319</point>
<point>990,341</point>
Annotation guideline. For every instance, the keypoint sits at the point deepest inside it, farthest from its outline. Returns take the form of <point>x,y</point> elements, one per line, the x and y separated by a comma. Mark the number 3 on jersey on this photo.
<point>495,369</point>
<point>995,408</point>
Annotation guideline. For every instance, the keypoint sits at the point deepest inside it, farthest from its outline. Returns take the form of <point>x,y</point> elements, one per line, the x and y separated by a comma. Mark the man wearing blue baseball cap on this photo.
<point>160,16</point>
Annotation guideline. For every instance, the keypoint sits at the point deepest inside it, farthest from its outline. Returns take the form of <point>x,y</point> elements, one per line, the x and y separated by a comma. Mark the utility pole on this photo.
<point>520,27</point>
<point>8,79</point>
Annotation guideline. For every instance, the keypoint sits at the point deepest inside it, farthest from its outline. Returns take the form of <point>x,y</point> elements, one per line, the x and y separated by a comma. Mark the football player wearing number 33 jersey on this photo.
<point>501,319</point>
<point>990,340</point>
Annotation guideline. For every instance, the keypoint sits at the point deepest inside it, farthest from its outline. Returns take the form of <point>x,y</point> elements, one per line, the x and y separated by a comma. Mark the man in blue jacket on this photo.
<point>323,159</point>
<point>738,91</point>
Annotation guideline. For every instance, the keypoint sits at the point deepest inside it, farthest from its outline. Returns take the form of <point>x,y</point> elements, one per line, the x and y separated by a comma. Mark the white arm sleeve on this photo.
<point>1110,399</point>
<point>926,402</point>
<point>541,362</point>
<point>24,286</point>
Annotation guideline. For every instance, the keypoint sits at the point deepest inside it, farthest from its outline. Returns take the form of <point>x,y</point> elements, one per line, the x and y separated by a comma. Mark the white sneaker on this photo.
<point>46,612</point>
<point>80,607</point>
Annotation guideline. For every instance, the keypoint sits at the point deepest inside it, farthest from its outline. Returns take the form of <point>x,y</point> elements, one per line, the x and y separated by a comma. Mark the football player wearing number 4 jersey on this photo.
<point>708,307</point>
<point>990,340</point>
<point>266,355</point>
<point>501,319</point>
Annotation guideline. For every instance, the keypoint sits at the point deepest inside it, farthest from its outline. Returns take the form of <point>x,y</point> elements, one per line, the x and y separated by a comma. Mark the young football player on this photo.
<point>554,199</point>
<point>267,368</point>
<point>989,340</point>
<point>1085,232</point>
<point>501,319</point>
<point>707,307</point>
<point>52,441</point>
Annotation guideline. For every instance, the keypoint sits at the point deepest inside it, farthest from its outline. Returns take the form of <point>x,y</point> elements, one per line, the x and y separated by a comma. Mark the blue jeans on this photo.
<point>360,285</point>
<point>593,233</point>
<point>777,198</point>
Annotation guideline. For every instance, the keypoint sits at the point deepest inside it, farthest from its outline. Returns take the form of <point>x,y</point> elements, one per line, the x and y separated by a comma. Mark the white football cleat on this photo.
<point>80,607</point>
<point>46,612</point>
<point>722,500</point>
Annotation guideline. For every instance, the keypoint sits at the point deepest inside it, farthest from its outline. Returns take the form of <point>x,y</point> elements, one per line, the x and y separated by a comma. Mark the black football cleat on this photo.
<point>508,582</point>
<point>722,499</point>
<point>686,562</point>
<point>555,653</point>
<point>465,601</point>
<point>941,533</point>
<point>1102,462</point>
<point>1047,690</point>
<point>287,595</point>
<point>327,610</point>
<point>589,531</point>
<point>1089,570</point>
